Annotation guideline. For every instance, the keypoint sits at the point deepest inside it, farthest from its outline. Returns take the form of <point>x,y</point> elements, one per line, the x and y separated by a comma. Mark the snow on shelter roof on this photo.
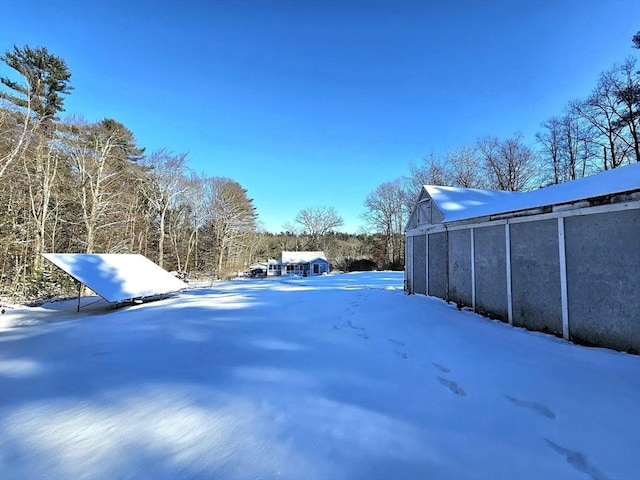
<point>302,257</point>
<point>455,202</point>
<point>465,203</point>
<point>117,277</point>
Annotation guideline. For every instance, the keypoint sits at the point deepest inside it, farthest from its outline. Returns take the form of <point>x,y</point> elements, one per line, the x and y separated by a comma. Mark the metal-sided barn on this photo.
<point>563,259</point>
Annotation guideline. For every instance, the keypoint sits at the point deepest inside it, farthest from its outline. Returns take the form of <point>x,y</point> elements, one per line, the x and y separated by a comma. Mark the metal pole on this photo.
<point>566,334</point>
<point>79,291</point>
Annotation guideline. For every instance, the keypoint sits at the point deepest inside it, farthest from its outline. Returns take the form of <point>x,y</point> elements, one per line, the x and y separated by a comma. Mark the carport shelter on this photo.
<point>117,278</point>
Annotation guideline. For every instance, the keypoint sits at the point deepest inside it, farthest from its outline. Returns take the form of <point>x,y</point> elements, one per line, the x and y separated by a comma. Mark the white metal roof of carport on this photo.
<point>117,277</point>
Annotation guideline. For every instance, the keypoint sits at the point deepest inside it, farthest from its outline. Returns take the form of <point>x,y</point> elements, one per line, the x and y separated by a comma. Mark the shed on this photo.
<point>258,269</point>
<point>564,259</point>
<point>304,263</point>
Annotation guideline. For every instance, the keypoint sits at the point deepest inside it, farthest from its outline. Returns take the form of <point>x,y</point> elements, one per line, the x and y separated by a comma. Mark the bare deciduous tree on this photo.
<point>510,165</point>
<point>231,216</point>
<point>602,111</point>
<point>431,172</point>
<point>386,213</point>
<point>549,140</point>
<point>163,183</point>
<point>316,222</point>
<point>100,153</point>
<point>625,81</point>
<point>465,168</point>
<point>17,130</point>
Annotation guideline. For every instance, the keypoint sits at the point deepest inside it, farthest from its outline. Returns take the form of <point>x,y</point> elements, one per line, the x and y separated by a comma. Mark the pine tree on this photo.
<point>47,80</point>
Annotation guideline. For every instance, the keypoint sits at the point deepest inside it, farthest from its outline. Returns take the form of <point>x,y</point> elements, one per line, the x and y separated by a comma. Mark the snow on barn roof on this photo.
<point>465,203</point>
<point>302,257</point>
<point>455,202</point>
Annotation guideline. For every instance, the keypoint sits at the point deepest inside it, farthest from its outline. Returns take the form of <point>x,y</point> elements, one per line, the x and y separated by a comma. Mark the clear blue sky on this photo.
<point>309,103</point>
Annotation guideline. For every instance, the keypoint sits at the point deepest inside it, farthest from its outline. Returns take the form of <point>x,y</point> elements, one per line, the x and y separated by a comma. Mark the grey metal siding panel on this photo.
<point>535,276</point>
<point>408,265</point>
<point>438,263</point>
<point>490,270</point>
<point>419,264</point>
<point>603,279</point>
<point>460,267</point>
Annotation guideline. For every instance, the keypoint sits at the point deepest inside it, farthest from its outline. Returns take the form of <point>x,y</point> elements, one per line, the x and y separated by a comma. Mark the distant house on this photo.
<point>270,268</point>
<point>563,259</point>
<point>292,263</point>
<point>304,263</point>
<point>274,267</point>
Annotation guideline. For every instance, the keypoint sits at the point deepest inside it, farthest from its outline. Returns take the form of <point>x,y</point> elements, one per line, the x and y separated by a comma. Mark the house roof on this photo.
<point>302,257</point>
<point>465,203</point>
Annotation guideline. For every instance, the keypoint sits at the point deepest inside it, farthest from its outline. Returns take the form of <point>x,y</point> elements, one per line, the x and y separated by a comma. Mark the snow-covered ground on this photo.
<point>334,377</point>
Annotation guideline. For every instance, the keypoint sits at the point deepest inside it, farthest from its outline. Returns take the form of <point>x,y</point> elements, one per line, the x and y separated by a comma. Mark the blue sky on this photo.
<point>309,103</point>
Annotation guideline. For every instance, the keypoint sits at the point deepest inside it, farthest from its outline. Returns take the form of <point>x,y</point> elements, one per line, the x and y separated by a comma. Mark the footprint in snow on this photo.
<point>397,342</point>
<point>355,327</point>
<point>441,367</point>
<point>539,408</point>
<point>578,461</point>
<point>453,386</point>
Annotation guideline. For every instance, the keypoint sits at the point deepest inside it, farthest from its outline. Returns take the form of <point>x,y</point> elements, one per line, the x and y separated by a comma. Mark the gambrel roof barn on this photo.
<point>562,259</point>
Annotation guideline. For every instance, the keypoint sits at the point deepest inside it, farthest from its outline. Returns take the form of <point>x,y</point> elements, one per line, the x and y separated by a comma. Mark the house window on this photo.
<point>289,268</point>
<point>316,269</point>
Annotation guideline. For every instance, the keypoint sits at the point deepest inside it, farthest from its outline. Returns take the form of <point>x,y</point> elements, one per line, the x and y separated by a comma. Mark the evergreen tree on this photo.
<point>47,80</point>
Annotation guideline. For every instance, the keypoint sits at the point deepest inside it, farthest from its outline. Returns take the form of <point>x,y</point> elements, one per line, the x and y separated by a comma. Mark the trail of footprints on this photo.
<point>576,459</point>
<point>448,383</point>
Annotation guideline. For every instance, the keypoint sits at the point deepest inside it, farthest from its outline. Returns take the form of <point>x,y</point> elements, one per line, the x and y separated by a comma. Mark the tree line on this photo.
<point>593,134</point>
<point>70,185</point>
<point>74,186</point>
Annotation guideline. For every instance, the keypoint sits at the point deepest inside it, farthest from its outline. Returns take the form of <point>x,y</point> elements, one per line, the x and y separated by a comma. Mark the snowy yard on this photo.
<point>330,378</point>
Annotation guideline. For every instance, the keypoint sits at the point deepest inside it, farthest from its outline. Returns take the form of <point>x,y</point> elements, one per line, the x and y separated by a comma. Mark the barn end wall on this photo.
<point>535,276</point>
<point>438,264</point>
<point>491,272</point>
<point>603,279</point>
<point>460,287</point>
<point>420,264</point>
